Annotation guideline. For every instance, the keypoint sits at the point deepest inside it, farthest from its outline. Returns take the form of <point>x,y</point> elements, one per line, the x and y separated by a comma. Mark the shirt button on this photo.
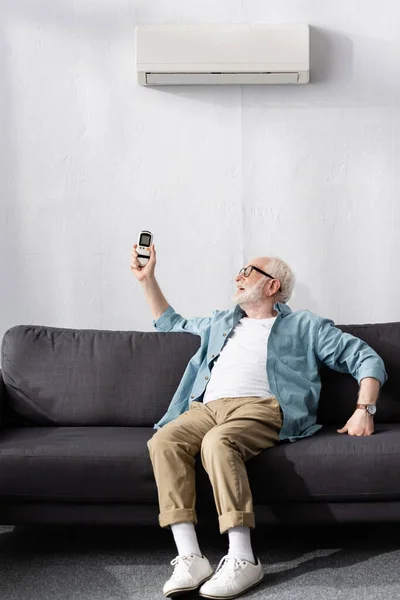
<point>224,334</point>
<point>206,377</point>
<point>192,396</point>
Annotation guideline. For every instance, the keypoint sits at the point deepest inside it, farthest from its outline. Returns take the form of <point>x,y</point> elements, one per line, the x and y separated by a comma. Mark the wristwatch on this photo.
<point>370,408</point>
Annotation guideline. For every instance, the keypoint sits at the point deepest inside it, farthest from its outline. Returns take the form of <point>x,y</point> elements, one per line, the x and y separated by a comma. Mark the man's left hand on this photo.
<point>360,423</point>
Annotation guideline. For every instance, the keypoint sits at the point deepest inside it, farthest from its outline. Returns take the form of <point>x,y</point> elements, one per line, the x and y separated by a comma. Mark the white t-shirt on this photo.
<point>241,367</point>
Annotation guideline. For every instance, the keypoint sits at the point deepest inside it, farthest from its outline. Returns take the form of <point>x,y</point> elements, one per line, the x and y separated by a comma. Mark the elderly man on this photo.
<point>253,382</point>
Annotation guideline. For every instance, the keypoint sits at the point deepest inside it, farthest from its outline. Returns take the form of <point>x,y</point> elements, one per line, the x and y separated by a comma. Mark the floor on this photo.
<point>124,563</point>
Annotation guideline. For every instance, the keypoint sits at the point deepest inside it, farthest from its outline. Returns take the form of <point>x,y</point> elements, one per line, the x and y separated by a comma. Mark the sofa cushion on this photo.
<point>56,376</point>
<point>76,464</point>
<point>339,391</point>
<point>112,464</point>
<point>331,467</point>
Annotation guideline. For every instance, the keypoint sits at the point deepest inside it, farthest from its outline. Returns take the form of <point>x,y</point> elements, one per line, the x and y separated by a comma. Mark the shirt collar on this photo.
<point>283,311</point>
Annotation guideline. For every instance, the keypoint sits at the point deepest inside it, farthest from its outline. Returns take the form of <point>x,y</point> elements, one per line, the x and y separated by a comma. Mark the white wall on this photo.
<point>219,174</point>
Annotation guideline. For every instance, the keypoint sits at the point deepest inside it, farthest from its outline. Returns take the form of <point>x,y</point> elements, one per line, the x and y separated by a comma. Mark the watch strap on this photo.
<point>364,406</point>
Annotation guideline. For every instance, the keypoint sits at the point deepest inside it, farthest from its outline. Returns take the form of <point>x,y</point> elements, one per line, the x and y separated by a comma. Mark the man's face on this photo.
<point>251,288</point>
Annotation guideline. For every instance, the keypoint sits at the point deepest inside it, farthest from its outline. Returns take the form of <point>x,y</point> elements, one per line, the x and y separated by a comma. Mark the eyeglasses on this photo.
<point>247,271</point>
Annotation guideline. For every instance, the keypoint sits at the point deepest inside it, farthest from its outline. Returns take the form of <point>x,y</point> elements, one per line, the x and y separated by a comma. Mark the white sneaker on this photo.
<point>232,577</point>
<point>190,572</point>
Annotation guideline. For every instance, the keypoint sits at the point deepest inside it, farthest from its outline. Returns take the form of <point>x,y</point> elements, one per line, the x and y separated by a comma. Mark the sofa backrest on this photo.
<point>339,393</point>
<point>59,376</point>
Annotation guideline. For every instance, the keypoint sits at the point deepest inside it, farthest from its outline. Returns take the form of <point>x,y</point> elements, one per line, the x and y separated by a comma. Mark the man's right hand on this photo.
<point>146,272</point>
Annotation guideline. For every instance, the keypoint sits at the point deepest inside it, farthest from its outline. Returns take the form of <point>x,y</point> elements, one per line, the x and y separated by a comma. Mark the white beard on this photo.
<point>253,295</point>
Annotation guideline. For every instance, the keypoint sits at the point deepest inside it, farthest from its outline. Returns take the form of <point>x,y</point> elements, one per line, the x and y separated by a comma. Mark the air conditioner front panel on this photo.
<point>261,48</point>
<point>185,67</point>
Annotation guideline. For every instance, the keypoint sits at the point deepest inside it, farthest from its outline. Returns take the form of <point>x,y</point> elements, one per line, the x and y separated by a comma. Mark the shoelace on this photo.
<point>182,564</point>
<point>228,565</point>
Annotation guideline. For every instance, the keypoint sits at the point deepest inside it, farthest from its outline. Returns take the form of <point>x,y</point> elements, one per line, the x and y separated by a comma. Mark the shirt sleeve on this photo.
<point>173,321</point>
<point>346,353</point>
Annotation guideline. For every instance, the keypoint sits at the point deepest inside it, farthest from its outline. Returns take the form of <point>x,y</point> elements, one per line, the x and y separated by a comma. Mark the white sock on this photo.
<point>240,544</point>
<point>185,538</point>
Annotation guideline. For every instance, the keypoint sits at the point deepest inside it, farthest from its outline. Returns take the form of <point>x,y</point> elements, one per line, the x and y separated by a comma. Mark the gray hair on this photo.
<point>281,270</point>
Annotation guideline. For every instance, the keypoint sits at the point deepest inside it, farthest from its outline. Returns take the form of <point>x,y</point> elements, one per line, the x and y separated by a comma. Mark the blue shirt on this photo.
<point>297,345</point>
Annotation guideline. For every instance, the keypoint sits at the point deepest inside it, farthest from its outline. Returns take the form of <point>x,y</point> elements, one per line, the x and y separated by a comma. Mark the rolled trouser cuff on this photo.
<point>177,515</point>
<point>235,518</point>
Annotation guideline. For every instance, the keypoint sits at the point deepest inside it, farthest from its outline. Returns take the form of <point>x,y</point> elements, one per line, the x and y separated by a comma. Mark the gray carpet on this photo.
<point>124,563</point>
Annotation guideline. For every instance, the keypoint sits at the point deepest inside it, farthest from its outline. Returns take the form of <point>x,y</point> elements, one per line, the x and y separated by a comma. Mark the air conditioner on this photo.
<point>222,54</point>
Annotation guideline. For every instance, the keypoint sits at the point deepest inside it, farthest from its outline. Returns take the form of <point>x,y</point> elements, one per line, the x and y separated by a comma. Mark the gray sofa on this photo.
<point>78,406</point>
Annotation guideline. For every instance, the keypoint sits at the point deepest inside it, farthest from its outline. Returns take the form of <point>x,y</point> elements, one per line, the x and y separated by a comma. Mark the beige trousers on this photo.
<point>227,432</point>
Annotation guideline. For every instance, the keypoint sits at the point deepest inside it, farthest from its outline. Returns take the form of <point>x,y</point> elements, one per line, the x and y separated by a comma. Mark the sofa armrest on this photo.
<point>2,396</point>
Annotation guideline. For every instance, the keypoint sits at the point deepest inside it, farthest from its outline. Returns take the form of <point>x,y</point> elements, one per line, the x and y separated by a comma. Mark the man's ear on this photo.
<point>275,287</point>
